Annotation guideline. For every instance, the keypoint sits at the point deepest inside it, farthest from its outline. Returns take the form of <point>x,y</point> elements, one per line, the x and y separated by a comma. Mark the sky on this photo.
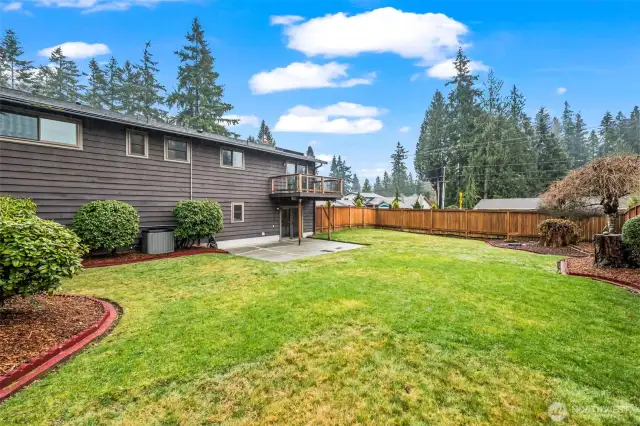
<point>353,78</point>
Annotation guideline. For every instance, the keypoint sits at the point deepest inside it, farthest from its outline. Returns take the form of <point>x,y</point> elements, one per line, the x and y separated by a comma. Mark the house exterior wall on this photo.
<point>61,180</point>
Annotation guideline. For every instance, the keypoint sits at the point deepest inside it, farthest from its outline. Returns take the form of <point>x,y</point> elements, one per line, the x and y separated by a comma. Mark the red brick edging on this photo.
<point>158,257</point>
<point>620,283</point>
<point>31,370</point>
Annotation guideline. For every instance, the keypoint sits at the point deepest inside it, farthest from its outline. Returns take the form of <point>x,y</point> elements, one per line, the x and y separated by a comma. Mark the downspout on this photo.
<point>191,170</point>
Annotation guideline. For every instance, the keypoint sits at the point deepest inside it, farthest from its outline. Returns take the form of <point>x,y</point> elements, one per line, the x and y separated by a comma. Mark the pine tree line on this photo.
<point>130,88</point>
<point>483,144</point>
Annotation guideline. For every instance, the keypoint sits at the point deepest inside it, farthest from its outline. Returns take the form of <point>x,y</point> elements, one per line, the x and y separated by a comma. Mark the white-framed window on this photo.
<point>137,143</point>
<point>237,212</point>
<point>176,150</point>
<point>231,158</point>
<point>40,129</point>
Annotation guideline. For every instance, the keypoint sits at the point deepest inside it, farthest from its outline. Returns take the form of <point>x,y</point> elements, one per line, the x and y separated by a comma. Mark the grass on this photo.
<point>411,329</point>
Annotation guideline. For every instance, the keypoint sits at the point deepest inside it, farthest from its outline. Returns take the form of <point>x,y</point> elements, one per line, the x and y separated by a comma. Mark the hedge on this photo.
<point>107,224</point>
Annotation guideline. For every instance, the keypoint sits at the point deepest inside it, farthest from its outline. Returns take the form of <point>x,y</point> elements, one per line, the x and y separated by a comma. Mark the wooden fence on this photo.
<point>467,223</point>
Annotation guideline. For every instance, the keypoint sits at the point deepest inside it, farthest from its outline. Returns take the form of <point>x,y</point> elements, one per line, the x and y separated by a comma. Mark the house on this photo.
<point>63,155</point>
<point>371,199</point>
<point>508,204</point>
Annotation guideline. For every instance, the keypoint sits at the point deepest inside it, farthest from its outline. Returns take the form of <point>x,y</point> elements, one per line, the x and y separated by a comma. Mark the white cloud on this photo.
<point>325,157</point>
<point>446,69</point>
<point>305,119</point>
<point>305,75</point>
<point>12,7</point>
<point>428,37</point>
<point>285,20</point>
<point>245,120</point>
<point>313,143</point>
<point>78,49</point>
<point>561,90</point>
<point>404,129</point>
<point>89,6</point>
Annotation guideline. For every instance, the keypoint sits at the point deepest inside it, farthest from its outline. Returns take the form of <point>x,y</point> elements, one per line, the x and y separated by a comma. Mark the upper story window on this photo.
<point>41,130</point>
<point>231,158</point>
<point>137,144</point>
<point>296,169</point>
<point>176,150</point>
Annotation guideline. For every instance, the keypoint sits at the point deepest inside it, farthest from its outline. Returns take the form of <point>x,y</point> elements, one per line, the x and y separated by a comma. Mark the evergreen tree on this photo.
<point>15,73</point>
<point>377,186</point>
<point>594,147</point>
<point>310,152</point>
<point>634,130</point>
<point>339,169</point>
<point>251,139</point>
<point>150,90</point>
<point>399,168</point>
<point>579,154</point>
<point>366,186</point>
<point>129,94</point>
<point>551,161</point>
<point>333,171</point>
<point>264,135</point>
<point>113,80</point>
<point>417,205</point>
<point>198,99</point>
<point>607,134</point>
<point>432,150</point>
<point>60,79</point>
<point>355,184</point>
<point>96,93</point>
<point>387,186</point>
<point>568,133</point>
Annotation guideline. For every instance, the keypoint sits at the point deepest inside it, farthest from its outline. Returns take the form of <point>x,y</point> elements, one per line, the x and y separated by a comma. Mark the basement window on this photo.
<point>237,212</point>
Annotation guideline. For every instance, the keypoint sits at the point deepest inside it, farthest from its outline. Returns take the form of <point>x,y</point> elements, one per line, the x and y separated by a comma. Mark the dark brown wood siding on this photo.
<point>61,180</point>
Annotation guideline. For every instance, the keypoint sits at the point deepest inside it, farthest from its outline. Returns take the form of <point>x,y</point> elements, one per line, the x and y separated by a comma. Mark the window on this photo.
<point>296,169</point>
<point>40,130</point>
<point>231,158</point>
<point>237,212</point>
<point>137,144</point>
<point>176,150</point>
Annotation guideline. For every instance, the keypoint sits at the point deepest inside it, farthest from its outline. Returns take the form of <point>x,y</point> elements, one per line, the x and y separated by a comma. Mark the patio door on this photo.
<point>288,222</point>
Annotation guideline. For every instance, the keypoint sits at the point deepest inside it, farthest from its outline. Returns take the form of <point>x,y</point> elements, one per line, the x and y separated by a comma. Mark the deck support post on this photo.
<point>299,221</point>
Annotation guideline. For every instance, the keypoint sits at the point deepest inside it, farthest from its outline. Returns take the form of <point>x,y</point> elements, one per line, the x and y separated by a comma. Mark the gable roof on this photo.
<point>508,204</point>
<point>36,101</point>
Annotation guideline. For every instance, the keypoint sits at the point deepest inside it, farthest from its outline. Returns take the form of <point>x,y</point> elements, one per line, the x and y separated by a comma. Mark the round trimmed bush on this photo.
<point>16,207</point>
<point>36,254</point>
<point>197,219</point>
<point>107,224</point>
<point>558,232</point>
<point>631,232</point>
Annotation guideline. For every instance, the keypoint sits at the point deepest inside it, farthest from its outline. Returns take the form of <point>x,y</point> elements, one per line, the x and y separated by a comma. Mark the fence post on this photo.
<point>363,218</point>
<point>508,224</point>
<point>466,223</point>
<point>349,217</point>
<point>431,228</point>
<point>402,217</point>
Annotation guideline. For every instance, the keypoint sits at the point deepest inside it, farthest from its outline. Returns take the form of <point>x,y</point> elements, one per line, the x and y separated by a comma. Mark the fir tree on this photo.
<point>198,98</point>
<point>377,186</point>
<point>551,161</point>
<point>149,89</point>
<point>579,154</point>
<point>593,145</point>
<point>607,134</point>
<point>129,90</point>
<point>15,73</point>
<point>60,80</point>
<point>264,135</point>
<point>417,205</point>
<point>634,130</point>
<point>310,151</point>
<point>399,168</point>
<point>387,187</point>
<point>568,132</point>
<point>251,139</point>
<point>355,184</point>
<point>113,80</point>
<point>432,149</point>
<point>96,93</point>
<point>366,186</point>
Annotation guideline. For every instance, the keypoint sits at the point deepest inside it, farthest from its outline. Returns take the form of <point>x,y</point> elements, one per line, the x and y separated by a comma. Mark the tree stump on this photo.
<point>609,251</point>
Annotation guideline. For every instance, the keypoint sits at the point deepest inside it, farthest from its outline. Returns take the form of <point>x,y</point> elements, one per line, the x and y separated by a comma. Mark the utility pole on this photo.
<point>444,185</point>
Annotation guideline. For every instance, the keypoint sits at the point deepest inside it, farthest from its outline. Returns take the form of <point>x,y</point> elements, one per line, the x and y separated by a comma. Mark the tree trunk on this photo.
<point>609,251</point>
<point>611,223</point>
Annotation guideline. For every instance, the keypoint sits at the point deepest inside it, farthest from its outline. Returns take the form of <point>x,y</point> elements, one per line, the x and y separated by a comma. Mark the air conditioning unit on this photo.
<point>158,240</point>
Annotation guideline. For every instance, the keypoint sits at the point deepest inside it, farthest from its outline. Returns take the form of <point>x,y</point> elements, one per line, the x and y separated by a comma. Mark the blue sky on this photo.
<point>354,77</point>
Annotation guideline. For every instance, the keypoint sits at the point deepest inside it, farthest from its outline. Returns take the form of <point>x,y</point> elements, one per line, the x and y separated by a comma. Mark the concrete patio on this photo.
<point>286,250</point>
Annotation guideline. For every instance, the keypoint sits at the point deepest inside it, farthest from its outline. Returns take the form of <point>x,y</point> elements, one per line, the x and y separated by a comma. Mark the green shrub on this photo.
<point>36,254</point>
<point>631,232</point>
<point>196,219</point>
<point>417,205</point>
<point>358,202</point>
<point>107,224</point>
<point>558,232</point>
<point>16,207</point>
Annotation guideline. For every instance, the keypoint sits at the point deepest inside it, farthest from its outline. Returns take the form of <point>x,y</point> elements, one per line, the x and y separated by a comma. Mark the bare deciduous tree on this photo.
<point>602,182</point>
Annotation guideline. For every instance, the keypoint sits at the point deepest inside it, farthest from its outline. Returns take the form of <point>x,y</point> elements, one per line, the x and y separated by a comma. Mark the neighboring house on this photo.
<point>371,199</point>
<point>508,204</point>
<point>63,155</point>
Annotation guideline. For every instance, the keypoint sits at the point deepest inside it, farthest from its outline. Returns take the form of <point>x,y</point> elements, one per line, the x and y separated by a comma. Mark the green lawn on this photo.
<point>411,329</point>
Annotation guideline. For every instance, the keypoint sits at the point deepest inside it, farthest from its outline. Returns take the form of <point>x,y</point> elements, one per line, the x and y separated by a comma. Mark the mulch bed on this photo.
<point>585,266</point>
<point>136,256</point>
<point>32,325</point>
<point>579,250</point>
